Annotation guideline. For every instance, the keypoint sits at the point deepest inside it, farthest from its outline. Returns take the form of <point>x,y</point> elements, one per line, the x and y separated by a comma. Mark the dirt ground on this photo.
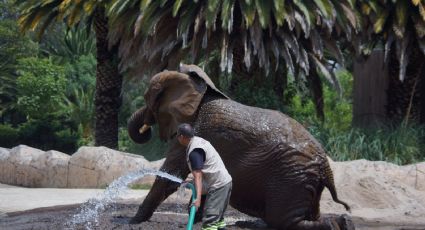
<point>382,196</point>
<point>167,216</point>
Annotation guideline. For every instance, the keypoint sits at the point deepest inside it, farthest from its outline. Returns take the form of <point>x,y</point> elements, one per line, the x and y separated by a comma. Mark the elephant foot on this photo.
<point>135,220</point>
<point>342,222</point>
<point>139,217</point>
<point>345,222</point>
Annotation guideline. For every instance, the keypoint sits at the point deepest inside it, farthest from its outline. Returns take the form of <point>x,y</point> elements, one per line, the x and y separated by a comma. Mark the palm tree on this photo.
<point>399,28</point>
<point>39,14</point>
<point>254,37</point>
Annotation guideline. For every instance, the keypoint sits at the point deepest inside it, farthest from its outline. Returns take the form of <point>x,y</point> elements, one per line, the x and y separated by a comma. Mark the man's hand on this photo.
<point>197,203</point>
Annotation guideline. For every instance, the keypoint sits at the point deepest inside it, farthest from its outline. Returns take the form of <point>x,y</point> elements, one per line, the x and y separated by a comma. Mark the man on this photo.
<point>209,172</point>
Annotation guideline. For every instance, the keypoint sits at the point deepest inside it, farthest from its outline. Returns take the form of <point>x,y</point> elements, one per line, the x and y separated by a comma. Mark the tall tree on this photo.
<point>399,28</point>
<point>39,14</point>
<point>252,35</point>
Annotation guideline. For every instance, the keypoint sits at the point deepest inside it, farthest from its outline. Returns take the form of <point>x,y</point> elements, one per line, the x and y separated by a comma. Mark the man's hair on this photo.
<point>185,130</point>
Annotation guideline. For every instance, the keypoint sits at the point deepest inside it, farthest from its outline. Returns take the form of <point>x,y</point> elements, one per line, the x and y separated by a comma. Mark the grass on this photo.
<point>133,186</point>
<point>141,186</point>
<point>400,145</point>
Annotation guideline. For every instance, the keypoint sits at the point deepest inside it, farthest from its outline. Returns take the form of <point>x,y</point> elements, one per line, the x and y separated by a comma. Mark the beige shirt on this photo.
<point>215,174</point>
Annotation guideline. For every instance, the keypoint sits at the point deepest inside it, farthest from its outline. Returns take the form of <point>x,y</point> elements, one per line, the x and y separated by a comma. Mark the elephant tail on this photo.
<point>329,183</point>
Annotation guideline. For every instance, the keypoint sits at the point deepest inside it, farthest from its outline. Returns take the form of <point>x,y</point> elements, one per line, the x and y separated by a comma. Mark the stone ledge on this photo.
<point>89,167</point>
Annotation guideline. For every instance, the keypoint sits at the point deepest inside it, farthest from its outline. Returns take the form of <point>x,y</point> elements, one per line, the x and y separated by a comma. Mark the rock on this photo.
<point>97,167</point>
<point>30,167</point>
<point>6,168</point>
<point>56,175</point>
<point>89,167</point>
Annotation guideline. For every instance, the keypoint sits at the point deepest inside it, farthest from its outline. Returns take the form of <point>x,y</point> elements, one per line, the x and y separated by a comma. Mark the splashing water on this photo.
<point>91,210</point>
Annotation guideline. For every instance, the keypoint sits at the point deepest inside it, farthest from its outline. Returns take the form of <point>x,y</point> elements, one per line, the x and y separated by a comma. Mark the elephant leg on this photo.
<point>297,208</point>
<point>287,205</point>
<point>293,202</point>
<point>174,164</point>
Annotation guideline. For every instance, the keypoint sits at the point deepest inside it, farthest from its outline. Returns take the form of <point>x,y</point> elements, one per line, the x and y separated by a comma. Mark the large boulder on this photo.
<point>30,167</point>
<point>6,168</point>
<point>89,167</point>
<point>96,167</point>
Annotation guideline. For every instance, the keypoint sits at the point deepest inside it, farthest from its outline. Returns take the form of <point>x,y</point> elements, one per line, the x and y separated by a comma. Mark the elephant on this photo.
<point>279,169</point>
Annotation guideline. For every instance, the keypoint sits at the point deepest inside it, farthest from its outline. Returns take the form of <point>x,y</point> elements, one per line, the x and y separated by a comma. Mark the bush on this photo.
<point>337,108</point>
<point>81,74</point>
<point>254,94</point>
<point>41,87</point>
<point>8,136</point>
<point>397,144</point>
<point>48,134</point>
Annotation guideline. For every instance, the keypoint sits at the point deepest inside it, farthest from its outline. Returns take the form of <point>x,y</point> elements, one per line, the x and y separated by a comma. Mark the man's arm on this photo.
<point>197,176</point>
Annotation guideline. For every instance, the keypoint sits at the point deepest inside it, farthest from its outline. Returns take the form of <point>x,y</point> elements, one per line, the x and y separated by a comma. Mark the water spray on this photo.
<point>91,210</point>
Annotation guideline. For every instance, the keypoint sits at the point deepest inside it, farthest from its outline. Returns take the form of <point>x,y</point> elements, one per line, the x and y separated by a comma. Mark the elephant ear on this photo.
<point>196,72</point>
<point>173,98</point>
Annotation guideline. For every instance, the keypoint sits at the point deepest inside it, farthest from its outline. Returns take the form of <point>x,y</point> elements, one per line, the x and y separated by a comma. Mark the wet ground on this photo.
<point>169,215</point>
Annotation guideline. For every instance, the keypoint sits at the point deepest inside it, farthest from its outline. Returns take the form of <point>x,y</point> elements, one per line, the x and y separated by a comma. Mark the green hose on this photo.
<point>192,207</point>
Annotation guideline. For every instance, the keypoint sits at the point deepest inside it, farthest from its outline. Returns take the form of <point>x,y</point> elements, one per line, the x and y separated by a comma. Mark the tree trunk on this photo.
<point>108,86</point>
<point>280,83</point>
<point>316,89</point>
<point>370,91</point>
<point>404,97</point>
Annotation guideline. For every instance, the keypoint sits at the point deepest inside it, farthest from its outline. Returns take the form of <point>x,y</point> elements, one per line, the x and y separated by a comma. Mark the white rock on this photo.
<point>30,167</point>
<point>92,167</point>
<point>7,171</point>
<point>56,173</point>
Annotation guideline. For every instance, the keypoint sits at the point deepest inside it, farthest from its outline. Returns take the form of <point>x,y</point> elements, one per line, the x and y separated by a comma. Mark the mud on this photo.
<point>167,216</point>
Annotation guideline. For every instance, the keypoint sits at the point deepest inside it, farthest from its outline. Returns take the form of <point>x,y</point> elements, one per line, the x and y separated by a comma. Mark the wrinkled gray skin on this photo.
<point>279,170</point>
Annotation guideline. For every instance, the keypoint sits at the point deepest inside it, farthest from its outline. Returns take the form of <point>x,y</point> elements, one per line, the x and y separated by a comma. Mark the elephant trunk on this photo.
<point>138,126</point>
<point>174,164</point>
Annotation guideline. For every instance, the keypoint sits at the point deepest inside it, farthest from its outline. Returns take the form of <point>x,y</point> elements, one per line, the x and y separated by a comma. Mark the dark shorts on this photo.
<point>215,206</point>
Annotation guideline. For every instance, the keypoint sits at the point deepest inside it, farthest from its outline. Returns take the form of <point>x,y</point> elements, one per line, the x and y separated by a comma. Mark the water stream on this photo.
<point>91,210</point>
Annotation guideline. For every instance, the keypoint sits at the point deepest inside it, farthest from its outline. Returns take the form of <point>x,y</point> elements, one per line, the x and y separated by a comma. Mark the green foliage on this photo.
<point>7,10</point>
<point>401,145</point>
<point>154,149</point>
<point>13,46</point>
<point>8,136</point>
<point>79,101</point>
<point>80,109</point>
<point>49,133</point>
<point>68,45</point>
<point>81,73</point>
<point>257,94</point>
<point>41,87</point>
<point>398,144</point>
<point>132,98</point>
<point>338,108</point>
